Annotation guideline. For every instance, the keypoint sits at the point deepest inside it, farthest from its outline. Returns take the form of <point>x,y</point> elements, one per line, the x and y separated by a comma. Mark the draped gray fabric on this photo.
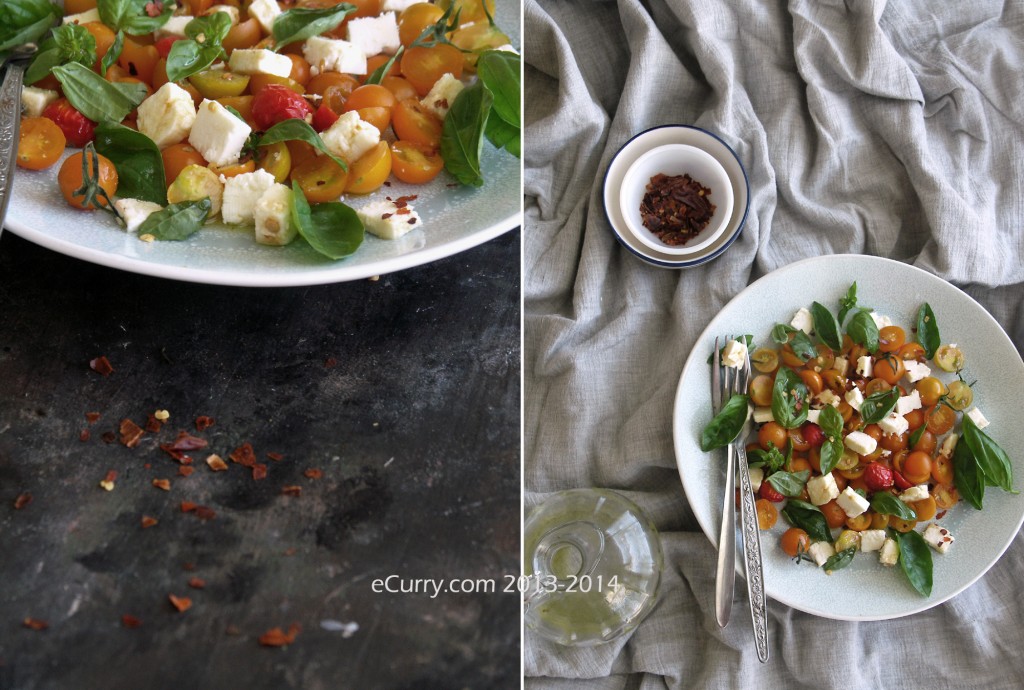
<point>892,129</point>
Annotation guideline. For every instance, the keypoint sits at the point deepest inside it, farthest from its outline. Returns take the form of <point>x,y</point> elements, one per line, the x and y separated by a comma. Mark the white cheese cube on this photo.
<point>350,137</point>
<point>854,398</point>
<point>218,135</point>
<point>242,193</point>
<point>908,403</point>
<point>34,100</point>
<point>842,365</point>
<point>259,61</point>
<point>374,35</point>
<point>442,95</point>
<point>803,321</point>
<point>734,354</point>
<point>273,217</point>
<point>860,443</point>
<point>872,539</point>
<point>387,219</point>
<point>821,551</point>
<point>827,397</point>
<point>92,15</point>
<point>865,366</point>
<point>135,211</point>
<point>889,553</point>
<point>398,5</point>
<point>916,370</point>
<point>333,55</point>
<point>915,493</point>
<point>168,115</point>
<point>763,415</point>
<point>894,424</point>
<point>756,475</point>
<point>812,416</point>
<point>175,26</point>
<point>852,503</point>
<point>949,445</point>
<point>822,489</point>
<point>938,538</point>
<point>265,12</point>
<point>229,10</point>
<point>977,417</point>
<point>880,320</point>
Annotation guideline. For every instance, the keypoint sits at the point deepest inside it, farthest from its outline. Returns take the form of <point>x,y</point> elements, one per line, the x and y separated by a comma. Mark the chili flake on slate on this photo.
<point>130,621</point>
<point>197,583</point>
<point>276,637</point>
<point>131,433</point>
<point>292,491</point>
<point>164,484</point>
<point>216,463</point>
<point>148,521</point>
<point>203,423</point>
<point>153,425</point>
<point>676,208</point>
<point>22,500</point>
<point>84,435</point>
<point>243,455</point>
<point>35,624</point>
<point>188,506</point>
<point>313,473</point>
<point>276,457</point>
<point>185,470</point>
<point>101,365</point>
<point>330,362</point>
<point>186,441</point>
<point>259,471</point>
<point>181,603</point>
<point>92,417</point>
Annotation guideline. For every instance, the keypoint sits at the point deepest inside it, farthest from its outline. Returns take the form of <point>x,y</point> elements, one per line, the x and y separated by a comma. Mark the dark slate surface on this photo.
<point>404,392</point>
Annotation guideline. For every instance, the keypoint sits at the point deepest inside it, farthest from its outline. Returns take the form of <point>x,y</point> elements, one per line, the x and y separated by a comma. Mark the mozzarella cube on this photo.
<point>872,539</point>
<point>763,415</point>
<point>508,48</point>
<point>821,551</point>
<point>374,35</point>
<point>938,538</point>
<point>864,366</point>
<point>949,445</point>
<point>242,193</point>
<point>813,416</point>
<point>822,489</point>
<point>350,137</point>
<point>34,101</point>
<point>333,55</point>
<point>852,503</point>
<point>218,135</point>
<point>827,397</point>
<point>880,320</point>
<point>135,211</point>
<point>915,493</point>
<point>92,15</point>
<point>756,475</point>
<point>734,354</point>
<point>397,5</point>
<point>916,370</point>
<point>442,94</point>
<point>977,417</point>
<point>842,365</point>
<point>803,321</point>
<point>265,12</point>
<point>168,115</point>
<point>908,403</point>
<point>259,61</point>
<point>894,423</point>
<point>229,10</point>
<point>854,398</point>
<point>387,219</point>
<point>889,553</point>
<point>175,26</point>
<point>273,217</point>
<point>860,443</point>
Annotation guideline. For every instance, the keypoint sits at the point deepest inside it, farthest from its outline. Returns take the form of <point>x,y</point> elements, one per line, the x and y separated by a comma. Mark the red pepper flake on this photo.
<point>163,484</point>
<point>185,470</point>
<point>35,624</point>
<point>153,425</point>
<point>188,506</point>
<point>276,637</point>
<point>411,221</point>
<point>940,515</point>
<point>291,491</point>
<point>129,621</point>
<point>276,457</point>
<point>92,417</point>
<point>331,363</point>
<point>243,455</point>
<point>387,183</point>
<point>186,441</point>
<point>259,471</point>
<point>385,216</point>
<point>101,365</point>
<point>403,211</point>
<point>216,463</point>
<point>84,435</point>
<point>109,437</point>
<point>181,603</point>
<point>111,475</point>
<point>175,454</point>
<point>204,513</point>
<point>313,473</point>
<point>406,199</point>
<point>197,583</point>
<point>203,423</point>
<point>155,8</point>
<point>148,521</point>
<point>131,433</point>
<point>22,500</point>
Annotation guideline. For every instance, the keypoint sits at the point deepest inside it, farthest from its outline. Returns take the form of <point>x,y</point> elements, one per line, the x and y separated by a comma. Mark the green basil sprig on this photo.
<point>800,343</point>
<point>300,23</point>
<point>915,560</point>
<point>500,70</point>
<point>969,480</point>
<point>928,330</point>
<point>177,221</point>
<point>789,399</point>
<point>789,484</point>
<point>140,168</point>
<point>772,459</point>
<point>95,97</point>
<point>847,303</point>
<point>727,424</point>
<point>131,16</point>
<point>462,137</point>
<point>809,518</point>
<point>295,129</point>
<point>332,228</point>
<point>25,21</point>
<point>68,43</point>
<point>878,405</point>
<point>831,423</point>
<point>201,47</point>
<point>886,504</point>
<point>863,330</point>
<point>826,326</point>
<point>840,559</point>
<point>992,461</point>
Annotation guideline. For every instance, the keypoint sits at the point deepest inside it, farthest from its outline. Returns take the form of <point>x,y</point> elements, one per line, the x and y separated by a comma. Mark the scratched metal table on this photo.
<point>404,394</point>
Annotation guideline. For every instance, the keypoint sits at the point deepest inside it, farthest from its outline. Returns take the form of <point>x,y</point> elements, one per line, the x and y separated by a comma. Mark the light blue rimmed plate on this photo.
<point>676,134</point>
<point>865,590</point>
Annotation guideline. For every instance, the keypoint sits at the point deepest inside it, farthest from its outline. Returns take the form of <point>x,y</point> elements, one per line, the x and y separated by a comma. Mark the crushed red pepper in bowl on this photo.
<point>676,208</point>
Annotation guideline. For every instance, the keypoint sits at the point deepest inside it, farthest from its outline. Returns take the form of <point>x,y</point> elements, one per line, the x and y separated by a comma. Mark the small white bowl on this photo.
<point>676,159</point>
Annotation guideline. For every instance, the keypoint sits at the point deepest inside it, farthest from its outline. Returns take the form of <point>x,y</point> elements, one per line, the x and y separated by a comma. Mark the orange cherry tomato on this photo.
<point>70,179</point>
<point>930,389</point>
<point>914,351</point>
<point>415,18</point>
<point>767,514</point>
<point>369,172</point>
<point>300,69</point>
<point>321,179</point>
<point>378,117</point>
<point>138,60</point>
<point>890,369</point>
<point>414,163</point>
<point>926,443</point>
<point>859,523</point>
<point>894,442</point>
<point>917,467</point>
<point>242,35</point>
<point>243,104</point>
<point>834,515</point>
<point>400,87</point>
<point>375,62</point>
<point>413,122</point>
<point>942,470</point>
<point>234,169</point>
<point>794,540</point>
<point>470,10</point>
<point>891,338</point>
<point>946,496</point>
<point>760,390</point>
<point>796,437</point>
<point>300,152</point>
<point>40,143</point>
<point>915,418</point>
<point>901,525</point>
<point>925,508</point>
<point>423,66</point>
<point>104,39</point>
<point>177,157</point>
<point>876,386</point>
<point>940,419</point>
<point>321,82</point>
<point>772,434</point>
<point>812,379</point>
<point>370,96</point>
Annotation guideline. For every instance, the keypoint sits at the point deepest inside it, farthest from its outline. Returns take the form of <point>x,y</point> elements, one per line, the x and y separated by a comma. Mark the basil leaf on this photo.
<point>25,21</point>
<point>847,303</point>
<point>177,221</point>
<point>886,504</point>
<point>726,425</point>
<point>877,406</point>
<point>378,74</point>
<point>780,333</point>
<point>500,71</point>
<point>789,484</point>
<point>862,330</point>
<point>915,561</point>
<point>131,16</point>
<point>927,330</point>
<point>300,23</point>
<point>966,475</point>
<point>209,29</point>
<point>140,168</point>
<point>462,138</point>
<point>826,326</point>
<point>808,518</point>
<point>503,135</point>
<point>75,44</point>
<point>993,463</point>
<point>44,61</point>
<point>831,423</point>
<point>112,53</point>
<point>840,560</point>
<point>772,459</point>
<point>95,97</point>
<point>789,399</point>
<point>187,57</point>
<point>333,229</point>
<point>295,129</point>
<point>801,343</point>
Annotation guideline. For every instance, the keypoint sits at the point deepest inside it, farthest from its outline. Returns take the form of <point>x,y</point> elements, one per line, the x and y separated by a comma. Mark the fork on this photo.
<point>10,116</point>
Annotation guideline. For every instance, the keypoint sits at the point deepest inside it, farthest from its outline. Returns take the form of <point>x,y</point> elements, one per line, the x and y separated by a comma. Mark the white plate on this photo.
<point>676,134</point>
<point>865,590</point>
<point>455,219</point>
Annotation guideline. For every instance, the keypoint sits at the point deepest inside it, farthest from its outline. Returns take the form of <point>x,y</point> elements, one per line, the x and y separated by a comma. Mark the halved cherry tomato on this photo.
<point>415,18</point>
<point>761,390</point>
<point>917,467</point>
<point>768,493</point>
<point>834,515</point>
<point>321,179</point>
<point>247,165</point>
<point>243,104</point>
<point>795,540</point>
<point>40,143</point>
<point>242,35</point>
<point>879,521</point>
<point>324,117</point>
<point>914,351</point>
<point>423,66</point>
<point>375,62</point>
<point>70,179</point>
<point>901,525</point>
<point>257,82</point>
<point>940,419</point>
<point>946,496</point>
<point>401,88</point>
<point>104,38</point>
<point>891,338</point>
<point>301,153</point>
<point>470,10</point>
<point>414,163</point>
<point>219,83</point>
<point>412,122</point>
<point>772,434</point>
<point>78,129</point>
<point>321,82</point>
<point>276,160</point>
<point>812,380</point>
<point>942,470</point>
<point>275,103</point>
<point>859,523</point>
<point>767,514</point>
<point>177,157</point>
<point>370,171</point>
<point>300,69</point>
<point>925,508</point>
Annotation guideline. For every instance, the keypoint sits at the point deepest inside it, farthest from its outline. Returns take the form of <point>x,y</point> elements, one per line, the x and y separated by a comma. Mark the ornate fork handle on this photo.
<point>10,114</point>
<point>752,555</point>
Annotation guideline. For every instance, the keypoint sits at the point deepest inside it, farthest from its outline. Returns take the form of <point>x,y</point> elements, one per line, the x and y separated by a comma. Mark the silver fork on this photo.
<point>10,117</point>
<point>725,575</point>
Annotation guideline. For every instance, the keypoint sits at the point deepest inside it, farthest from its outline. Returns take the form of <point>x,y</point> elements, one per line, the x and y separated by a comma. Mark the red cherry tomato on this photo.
<point>878,477</point>
<point>163,46</point>
<point>275,103</point>
<point>77,128</point>
<point>323,118</point>
<point>901,483</point>
<point>813,434</point>
<point>768,492</point>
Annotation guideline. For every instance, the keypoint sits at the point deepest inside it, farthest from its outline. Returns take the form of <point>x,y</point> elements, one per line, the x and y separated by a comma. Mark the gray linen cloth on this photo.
<point>868,127</point>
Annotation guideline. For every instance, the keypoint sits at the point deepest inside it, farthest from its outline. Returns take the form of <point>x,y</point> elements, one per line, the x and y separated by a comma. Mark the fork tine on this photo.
<point>716,390</point>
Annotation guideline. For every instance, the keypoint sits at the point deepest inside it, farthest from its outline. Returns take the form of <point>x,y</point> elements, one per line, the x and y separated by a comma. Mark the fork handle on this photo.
<point>10,117</point>
<point>725,576</point>
<point>752,564</point>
